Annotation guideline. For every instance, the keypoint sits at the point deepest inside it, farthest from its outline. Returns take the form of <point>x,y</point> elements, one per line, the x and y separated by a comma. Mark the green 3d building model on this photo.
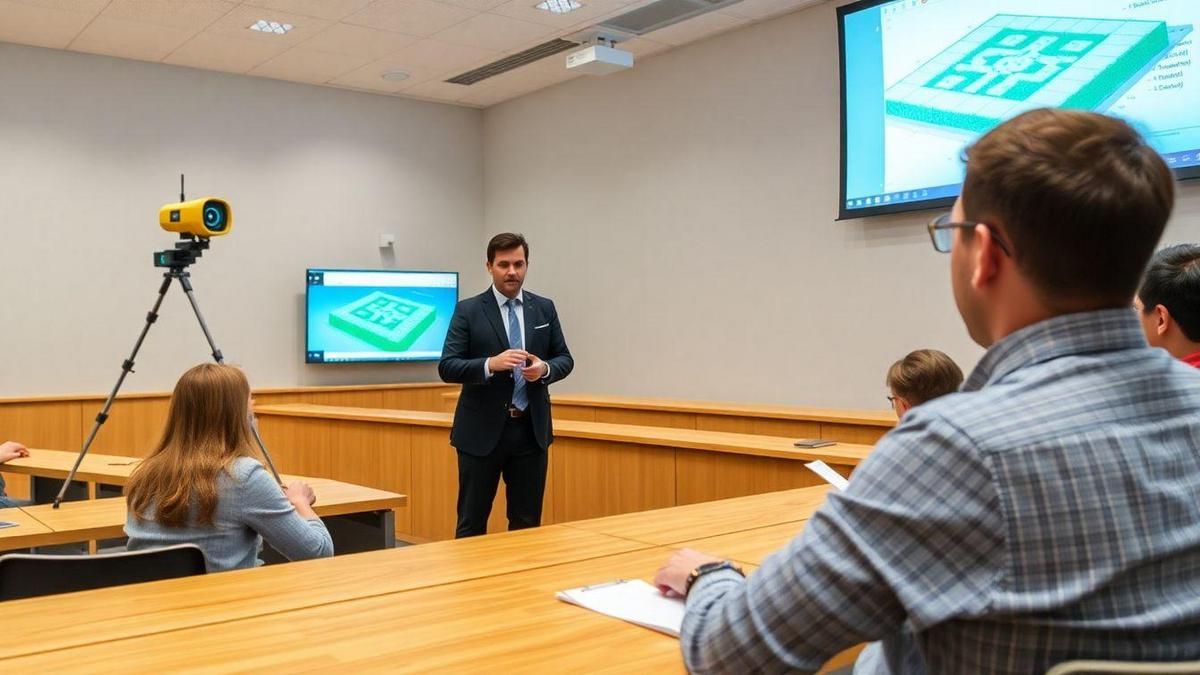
<point>1013,63</point>
<point>383,320</point>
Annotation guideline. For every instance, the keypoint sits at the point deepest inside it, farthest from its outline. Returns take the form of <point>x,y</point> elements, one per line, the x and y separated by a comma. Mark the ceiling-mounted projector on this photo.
<point>600,58</point>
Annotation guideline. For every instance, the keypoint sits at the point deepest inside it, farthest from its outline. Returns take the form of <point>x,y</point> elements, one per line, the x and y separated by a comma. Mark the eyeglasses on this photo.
<point>891,400</point>
<point>941,233</point>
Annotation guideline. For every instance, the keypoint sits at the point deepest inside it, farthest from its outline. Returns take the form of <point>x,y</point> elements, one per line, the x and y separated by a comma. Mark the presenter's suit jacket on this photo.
<point>477,333</point>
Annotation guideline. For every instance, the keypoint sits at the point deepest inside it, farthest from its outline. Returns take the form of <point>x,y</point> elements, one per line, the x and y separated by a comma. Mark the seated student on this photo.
<point>9,450</point>
<point>1169,302</point>
<point>920,377</point>
<point>1045,512</point>
<point>202,485</point>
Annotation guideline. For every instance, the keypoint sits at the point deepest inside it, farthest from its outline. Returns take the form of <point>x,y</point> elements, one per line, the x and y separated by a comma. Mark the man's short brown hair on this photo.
<point>1081,198</point>
<point>505,241</point>
<point>923,376</point>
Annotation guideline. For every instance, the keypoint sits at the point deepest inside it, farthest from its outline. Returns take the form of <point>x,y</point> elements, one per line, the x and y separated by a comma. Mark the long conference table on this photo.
<point>595,469</point>
<point>359,518</point>
<point>473,605</point>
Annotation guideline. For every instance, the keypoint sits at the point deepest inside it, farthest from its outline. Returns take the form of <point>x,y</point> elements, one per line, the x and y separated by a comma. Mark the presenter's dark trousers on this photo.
<point>522,463</point>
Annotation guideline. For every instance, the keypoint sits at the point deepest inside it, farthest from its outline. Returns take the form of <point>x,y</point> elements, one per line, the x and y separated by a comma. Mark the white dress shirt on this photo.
<point>500,300</point>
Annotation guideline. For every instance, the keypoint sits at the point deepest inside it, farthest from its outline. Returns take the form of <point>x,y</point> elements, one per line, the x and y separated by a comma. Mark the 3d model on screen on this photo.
<point>383,320</point>
<point>1015,63</point>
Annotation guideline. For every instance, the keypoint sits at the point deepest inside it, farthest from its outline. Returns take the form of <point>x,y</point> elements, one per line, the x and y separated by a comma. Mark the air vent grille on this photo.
<point>662,14</point>
<point>508,63</point>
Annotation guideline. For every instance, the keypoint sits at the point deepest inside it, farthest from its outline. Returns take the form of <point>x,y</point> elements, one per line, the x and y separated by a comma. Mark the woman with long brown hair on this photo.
<point>203,485</point>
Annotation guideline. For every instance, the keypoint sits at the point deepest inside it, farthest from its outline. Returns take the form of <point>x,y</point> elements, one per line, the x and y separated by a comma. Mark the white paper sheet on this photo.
<point>825,471</point>
<point>631,600</point>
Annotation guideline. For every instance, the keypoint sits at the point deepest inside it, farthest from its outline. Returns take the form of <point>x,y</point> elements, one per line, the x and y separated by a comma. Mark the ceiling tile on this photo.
<point>370,76</point>
<point>412,17</point>
<point>696,28</point>
<point>765,9</point>
<point>89,7</point>
<point>129,39</point>
<point>431,53</point>
<point>370,43</point>
<point>304,65</point>
<point>437,90</point>
<point>642,47</point>
<point>40,26</point>
<point>527,10</point>
<point>220,52</point>
<point>237,24</point>
<point>187,15</point>
<point>477,5</point>
<point>333,10</point>
<point>491,31</point>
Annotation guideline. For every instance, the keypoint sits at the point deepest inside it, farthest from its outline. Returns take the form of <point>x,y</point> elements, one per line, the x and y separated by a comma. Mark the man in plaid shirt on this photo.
<point>1048,511</point>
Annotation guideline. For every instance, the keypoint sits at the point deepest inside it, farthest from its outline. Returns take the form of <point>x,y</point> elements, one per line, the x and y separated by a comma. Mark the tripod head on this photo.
<point>187,250</point>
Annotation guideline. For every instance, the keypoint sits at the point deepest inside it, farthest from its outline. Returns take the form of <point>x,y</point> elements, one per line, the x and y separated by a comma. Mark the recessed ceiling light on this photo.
<point>396,76</point>
<point>265,26</point>
<point>559,6</point>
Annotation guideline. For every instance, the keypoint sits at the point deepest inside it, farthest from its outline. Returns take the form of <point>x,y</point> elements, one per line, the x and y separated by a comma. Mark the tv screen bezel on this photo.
<point>308,288</point>
<point>941,203</point>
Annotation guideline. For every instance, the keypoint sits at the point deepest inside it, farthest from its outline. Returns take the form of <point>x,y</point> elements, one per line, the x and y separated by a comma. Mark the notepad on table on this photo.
<point>631,600</point>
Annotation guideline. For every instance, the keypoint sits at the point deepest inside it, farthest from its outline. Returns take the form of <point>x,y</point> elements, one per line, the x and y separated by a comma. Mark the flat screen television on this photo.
<point>356,316</point>
<point>923,79</point>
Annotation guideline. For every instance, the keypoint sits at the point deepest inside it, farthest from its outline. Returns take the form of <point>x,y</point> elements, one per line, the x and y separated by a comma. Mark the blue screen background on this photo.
<point>322,300</point>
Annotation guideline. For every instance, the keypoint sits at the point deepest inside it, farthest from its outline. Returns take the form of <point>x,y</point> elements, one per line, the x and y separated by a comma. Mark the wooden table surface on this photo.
<point>473,605</point>
<point>712,441</point>
<point>96,468</point>
<point>162,606</point>
<point>697,521</point>
<point>105,518</point>
<point>28,531</point>
<point>880,418</point>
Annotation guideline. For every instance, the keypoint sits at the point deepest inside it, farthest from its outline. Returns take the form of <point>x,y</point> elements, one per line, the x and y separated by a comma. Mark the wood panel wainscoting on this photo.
<point>136,419</point>
<point>595,469</point>
<point>844,426</point>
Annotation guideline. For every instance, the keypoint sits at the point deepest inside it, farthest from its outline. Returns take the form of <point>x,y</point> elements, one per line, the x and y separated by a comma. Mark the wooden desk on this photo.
<point>129,611</point>
<point>482,604</point>
<point>594,470</point>
<point>844,425</point>
<point>28,532</point>
<point>96,519</point>
<point>95,468</point>
<point>503,623</point>
<point>681,524</point>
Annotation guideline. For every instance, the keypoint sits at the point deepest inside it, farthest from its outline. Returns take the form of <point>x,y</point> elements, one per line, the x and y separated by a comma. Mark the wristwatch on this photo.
<point>708,568</point>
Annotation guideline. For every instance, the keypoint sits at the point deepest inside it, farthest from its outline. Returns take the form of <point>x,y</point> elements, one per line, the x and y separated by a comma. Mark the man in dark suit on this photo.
<point>504,346</point>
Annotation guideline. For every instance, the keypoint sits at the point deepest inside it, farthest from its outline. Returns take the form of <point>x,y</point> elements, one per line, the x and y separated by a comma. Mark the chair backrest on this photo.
<point>1125,668</point>
<point>24,575</point>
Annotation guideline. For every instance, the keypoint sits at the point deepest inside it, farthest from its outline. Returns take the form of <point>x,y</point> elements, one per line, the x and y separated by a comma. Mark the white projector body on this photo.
<point>599,60</point>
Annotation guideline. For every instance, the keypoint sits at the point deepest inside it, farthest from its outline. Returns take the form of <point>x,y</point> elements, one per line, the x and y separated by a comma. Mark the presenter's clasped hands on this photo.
<point>536,370</point>
<point>512,359</point>
<point>508,359</point>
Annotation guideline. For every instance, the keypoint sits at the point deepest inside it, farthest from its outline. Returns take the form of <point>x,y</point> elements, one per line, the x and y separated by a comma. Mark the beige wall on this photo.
<point>91,146</point>
<point>682,216</point>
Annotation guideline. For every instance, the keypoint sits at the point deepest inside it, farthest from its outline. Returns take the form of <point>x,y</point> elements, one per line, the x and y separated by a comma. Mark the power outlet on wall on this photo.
<point>387,240</point>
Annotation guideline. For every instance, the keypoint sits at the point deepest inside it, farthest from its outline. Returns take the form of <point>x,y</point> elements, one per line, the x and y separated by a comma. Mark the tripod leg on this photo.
<point>126,368</point>
<point>220,358</point>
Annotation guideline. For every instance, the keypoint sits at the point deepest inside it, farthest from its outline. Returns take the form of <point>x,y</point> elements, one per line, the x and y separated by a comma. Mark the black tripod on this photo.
<point>176,260</point>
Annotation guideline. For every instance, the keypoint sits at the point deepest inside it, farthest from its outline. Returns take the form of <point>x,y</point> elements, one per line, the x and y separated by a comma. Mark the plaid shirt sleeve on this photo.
<point>917,535</point>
